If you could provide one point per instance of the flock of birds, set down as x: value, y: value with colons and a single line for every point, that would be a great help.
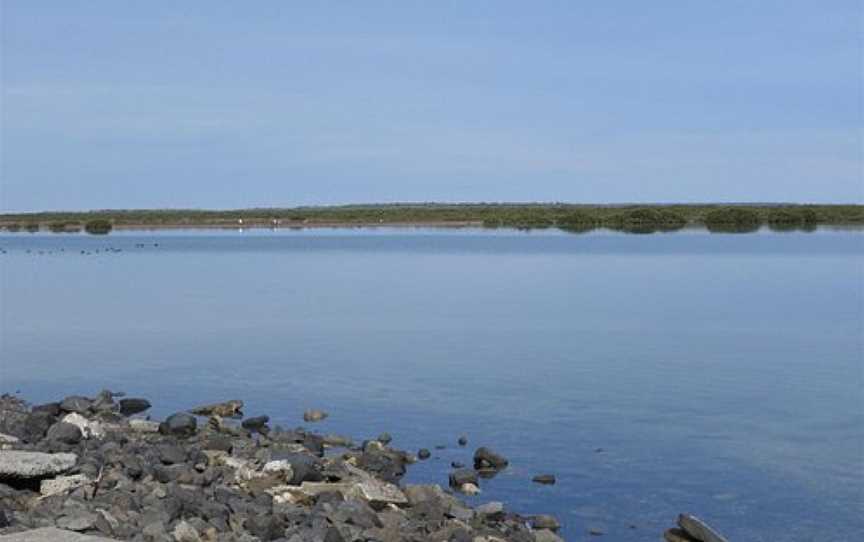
x: 102, y: 250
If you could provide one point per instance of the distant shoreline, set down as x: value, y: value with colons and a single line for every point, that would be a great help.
x: 645, y: 218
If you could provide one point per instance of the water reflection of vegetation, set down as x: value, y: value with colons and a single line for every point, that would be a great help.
x: 568, y: 217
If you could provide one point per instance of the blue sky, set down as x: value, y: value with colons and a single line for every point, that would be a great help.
x: 225, y: 104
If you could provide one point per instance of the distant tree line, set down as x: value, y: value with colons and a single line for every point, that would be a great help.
x: 569, y: 217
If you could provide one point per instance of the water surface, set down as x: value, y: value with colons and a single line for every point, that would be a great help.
x: 655, y: 374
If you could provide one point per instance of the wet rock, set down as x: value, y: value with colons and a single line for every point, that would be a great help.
x: 457, y: 464
x: 544, y: 521
x: 424, y: 453
x: 313, y: 415
x: 547, y: 479
x: 228, y: 409
x: 337, y: 441
x: 596, y: 532
x: 698, y: 529
x: 463, y: 440
x: 384, y: 438
x: 133, y: 405
x: 484, y: 458
x: 76, y: 403
x: 180, y: 424
x: 462, y: 476
x: 24, y: 465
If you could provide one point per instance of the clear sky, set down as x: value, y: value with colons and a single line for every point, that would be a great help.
x: 110, y: 104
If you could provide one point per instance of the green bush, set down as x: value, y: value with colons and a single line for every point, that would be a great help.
x: 732, y: 220
x: 98, y: 226
x: 647, y: 220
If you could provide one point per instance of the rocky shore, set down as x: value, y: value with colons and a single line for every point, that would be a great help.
x: 95, y: 466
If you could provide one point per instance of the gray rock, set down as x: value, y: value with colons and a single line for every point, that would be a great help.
x: 424, y: 453
x: 228, y: 409
x: 384, y: 438
x: 77, y: 521
x: 484, y: 458
x: 65, y: 433
x: 698, y: 529
x: 169, y: 454
x: 545, y: 535
x: 23, y: 465
x: 76, y: 403
x: 50, y: 534
x: 677, y: 535
x: 185, y: 532
x: 133, y: 405
x: 181, y: 424
x: 463, y: 440
x: 494, y: 509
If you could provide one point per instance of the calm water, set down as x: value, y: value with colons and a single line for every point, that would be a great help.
x: 719, y: 374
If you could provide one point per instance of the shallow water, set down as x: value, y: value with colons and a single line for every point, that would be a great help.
x: 716, y: 374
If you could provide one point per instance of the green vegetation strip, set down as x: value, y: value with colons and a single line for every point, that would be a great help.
x: 570, y: 217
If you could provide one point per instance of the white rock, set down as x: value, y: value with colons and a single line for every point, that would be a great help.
x: 8, y: 441
x: 281, y: 467
x: 19, y: 464
x: 143, y: 426
x: 89, y: 429
x: 62, y: 484
x: 469, y: 489
x: 185, y: 532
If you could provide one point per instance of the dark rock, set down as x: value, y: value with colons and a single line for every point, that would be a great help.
x: 255, y: 424
x: 424, y: 453
x: 460, y: 477
x: 133, y: 405
x: 547, y: 479
x: 5, y: 519
x: 180, y: 424
x: 65, y: 433
x: 305, y: 467
x: 37, y: 425
x: 170, y: 454
x: 387, y: 465
x: 222, y: 443
x: 463, y: 440
x: 52, y: 409
x: 484, y: 458
x: 698, y: 529
x: 457, y: 465
x: 333, y: 535
x: 384, y: 438
x: 76, y: 403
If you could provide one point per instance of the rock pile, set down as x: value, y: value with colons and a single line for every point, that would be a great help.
x: 82, y: 465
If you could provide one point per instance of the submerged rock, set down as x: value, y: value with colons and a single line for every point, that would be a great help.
x: 313, y: 415
x: 424, y: 453
x: 547, y: 479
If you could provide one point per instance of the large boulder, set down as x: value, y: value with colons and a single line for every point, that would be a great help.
x: 18, y: 465
x: 76, y: 403
x: 65, y: 433
x: 181, y: 424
